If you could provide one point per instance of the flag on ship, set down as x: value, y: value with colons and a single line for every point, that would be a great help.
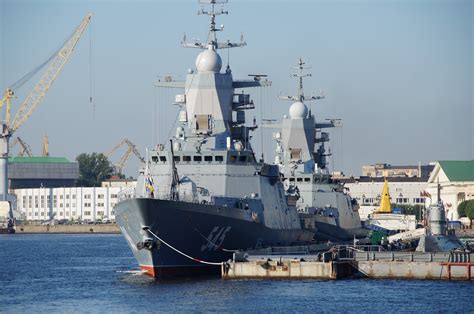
x: 149, y: 185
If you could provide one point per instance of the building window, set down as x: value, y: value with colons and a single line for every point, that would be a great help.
x: 87, y: 213
x: 100, y: 204
x: 100, y: 196
x: 61, y: 197
x: 87, y: 196
x: 74, y: 196
x: 113, y: 195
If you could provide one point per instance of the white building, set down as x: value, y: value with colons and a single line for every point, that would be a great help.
x: 368, y: 191
x: 72, y: 203
x: 456, y: 178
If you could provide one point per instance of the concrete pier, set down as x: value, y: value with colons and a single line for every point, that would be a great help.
x: 415, y: 265
x: 86, y: 228
x: 345, y: 261
x: 286, y: 269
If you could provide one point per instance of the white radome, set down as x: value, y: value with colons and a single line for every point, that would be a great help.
x: 298, y: 110
x: 208, y: 61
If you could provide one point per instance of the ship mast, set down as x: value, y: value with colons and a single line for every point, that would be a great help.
x: 300, y: 93
x: 212, y: 36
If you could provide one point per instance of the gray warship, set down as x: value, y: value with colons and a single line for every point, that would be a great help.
x: 322, y: 203
x: 204, y: 195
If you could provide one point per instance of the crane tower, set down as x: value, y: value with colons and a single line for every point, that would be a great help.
x: 31, y: 102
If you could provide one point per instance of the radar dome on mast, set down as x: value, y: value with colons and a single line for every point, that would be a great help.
x: 208, y: 61
x: 298, y: 110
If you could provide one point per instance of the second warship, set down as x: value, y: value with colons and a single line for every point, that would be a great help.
x: 205, y: 196
x: 322, y: 203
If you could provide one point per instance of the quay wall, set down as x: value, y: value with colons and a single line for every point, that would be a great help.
x: 103, y: 228
x: 293, y: 269
x: 415, y: 270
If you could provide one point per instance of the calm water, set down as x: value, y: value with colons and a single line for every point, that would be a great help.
x: 91, y: 273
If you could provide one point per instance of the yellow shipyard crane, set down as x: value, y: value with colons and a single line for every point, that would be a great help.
x: 7, y: 128
x: 131, y: 149
x: 45, y: 146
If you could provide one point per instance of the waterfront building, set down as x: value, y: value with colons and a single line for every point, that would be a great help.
x: 71, y: 203
x: 368, y: 192
x: 456, y: 178
x: 36, y: 172
x: 381, y: 170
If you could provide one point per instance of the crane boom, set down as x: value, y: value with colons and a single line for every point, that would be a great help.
x: 131, y: 149
x: 24, y: 147
x: 48, y: 78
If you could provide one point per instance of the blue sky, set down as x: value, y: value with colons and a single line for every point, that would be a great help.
x: 398, y: 73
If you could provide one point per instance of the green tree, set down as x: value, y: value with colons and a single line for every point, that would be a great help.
x: 93, y: 169
x: 470, y: 210
x: 463, y: 206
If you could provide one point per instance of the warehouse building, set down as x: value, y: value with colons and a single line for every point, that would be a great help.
x: 46, y: 172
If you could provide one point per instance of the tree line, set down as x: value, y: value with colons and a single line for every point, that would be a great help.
x: 95, y: 168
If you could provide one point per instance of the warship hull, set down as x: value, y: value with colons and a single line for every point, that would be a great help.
x: 204, y: 232
x: 331, y: 232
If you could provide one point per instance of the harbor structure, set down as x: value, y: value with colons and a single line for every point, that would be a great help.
x: 456, y: 178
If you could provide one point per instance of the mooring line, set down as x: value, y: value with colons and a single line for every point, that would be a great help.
x: 178, y: 251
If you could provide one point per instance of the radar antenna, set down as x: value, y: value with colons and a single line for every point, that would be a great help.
x: 212, y: 36
x: 300, y: 95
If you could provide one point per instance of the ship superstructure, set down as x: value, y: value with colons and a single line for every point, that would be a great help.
x: 301, y: 156
x: 205, y: 194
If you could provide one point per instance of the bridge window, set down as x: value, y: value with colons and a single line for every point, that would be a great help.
x: 219, y: 158
x: 299, y: 179
x: 232, y: 158
x: 292, y: 179
x: 177, y: 158
x: 154, y: 158
x: 186, y: 158
x: 197, y: 158
x: 242, y: 158
x: 207, y: 158
x: 307, y: 179
x: 163, y: 158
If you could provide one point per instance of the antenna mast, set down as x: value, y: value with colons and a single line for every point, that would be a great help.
x: 212, y: 36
